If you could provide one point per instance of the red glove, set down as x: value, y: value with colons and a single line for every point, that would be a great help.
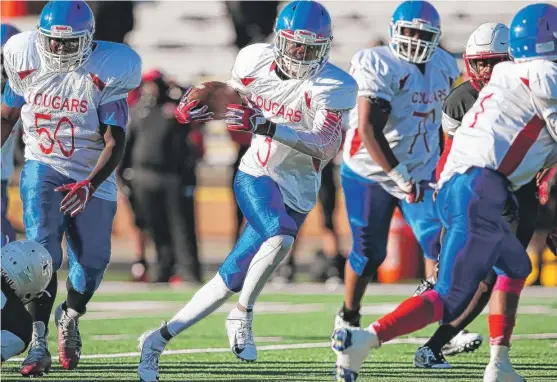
x: 187, y: 112
x: 545, y: 181
x: 78, y: 195
x: 247, y: 119
x: 418, y: 191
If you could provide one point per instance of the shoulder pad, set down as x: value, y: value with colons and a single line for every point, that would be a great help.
x: 460, y: 100
x: 249, y: 57
x: 447, y: 63
x: 21, y: 58
x: 118, y: 67
x: 334, y: 89
x: 543, y: 79
x: 376, y: 73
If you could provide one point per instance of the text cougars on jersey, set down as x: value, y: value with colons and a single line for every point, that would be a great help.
x: 425, y: 98
x: 56, y: 102
x: 278, y: 109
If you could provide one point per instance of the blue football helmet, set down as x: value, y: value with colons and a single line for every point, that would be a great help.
x: 303, y: 36
x: 533, y: 33
x: 415, y: 31
x: 66, y: 34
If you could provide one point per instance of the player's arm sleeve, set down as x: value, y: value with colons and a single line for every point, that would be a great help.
x: 452, y: 114
x: 10, y: 98
x: 114, y: 113
x: 372, y: 75
x: 544, y: 97
x: 321, y: 142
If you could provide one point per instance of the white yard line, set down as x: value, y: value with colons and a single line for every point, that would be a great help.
x: 314, y: 345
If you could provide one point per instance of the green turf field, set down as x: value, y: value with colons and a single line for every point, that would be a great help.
x: 292, y: 335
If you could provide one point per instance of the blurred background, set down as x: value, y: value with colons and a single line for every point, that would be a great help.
x: 188, y: 42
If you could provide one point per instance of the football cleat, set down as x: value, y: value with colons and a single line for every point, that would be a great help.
x: 151, y: 345
x: 351, y: 345
x: 425, y: 358
x: 499, y: 371
x: 499, y: 368
x: 240, y: 335
x: 425, y: 285
x: 38, y: 361
x: 341, y: 323
x: 69, y: 339
x: 463, y: 342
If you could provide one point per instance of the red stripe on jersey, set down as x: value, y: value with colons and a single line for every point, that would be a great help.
x: 356, y: 143
x: 23, y: 74
x: 482, y: 109
x: 526, y: 82
x: 444, y: 156
x: 308, y: 100
x: 247, y: 80
x: 520, y: 146
x: 98, y: 82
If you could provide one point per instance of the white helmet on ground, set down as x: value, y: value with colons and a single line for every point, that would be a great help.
x: 27, y: 268
x: 489, y: 43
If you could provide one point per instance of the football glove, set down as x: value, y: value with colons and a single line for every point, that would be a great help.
x: 76, y: 199
x: 249, y: 119
x: 190, y: 111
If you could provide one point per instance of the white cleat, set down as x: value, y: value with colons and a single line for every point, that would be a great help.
x: 500, y: 368
x: 352, y: 345
x: 151, y: 345
x: 240, y: 335
x: 340, y: 323
x: 463, y: 342
x: 425, y: 358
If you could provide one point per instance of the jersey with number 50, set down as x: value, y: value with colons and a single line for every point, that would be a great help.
x: 62, y: 111
x: 512, y: 127
x: 416, y: 98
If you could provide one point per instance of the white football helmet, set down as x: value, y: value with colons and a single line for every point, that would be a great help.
x: 27, y: 268
x: 489, y: 42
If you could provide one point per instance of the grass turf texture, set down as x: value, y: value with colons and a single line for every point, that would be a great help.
x: 536, y: 360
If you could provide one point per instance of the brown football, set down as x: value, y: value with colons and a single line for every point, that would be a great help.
x: 216, y: 95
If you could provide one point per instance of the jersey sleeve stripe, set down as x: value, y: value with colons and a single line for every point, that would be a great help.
x: 520, y: 146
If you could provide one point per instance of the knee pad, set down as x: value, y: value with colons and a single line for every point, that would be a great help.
x: 364, y: 265
x: 85, y: 280
x: 12, y: 345
x: 267, y: 253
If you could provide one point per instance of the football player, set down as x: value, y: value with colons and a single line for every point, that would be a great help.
x: 393, y: 144
x: 71, y: 94
x: 296, y: 102
x: 486, y: 46
x: 513, y: 130
x: 26, y: 271
x: 8, y: 232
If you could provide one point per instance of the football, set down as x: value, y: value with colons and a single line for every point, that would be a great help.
x: 216, y: 95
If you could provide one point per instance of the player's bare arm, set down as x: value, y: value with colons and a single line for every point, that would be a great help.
x: 78, y: 194
x: 373, y: 114
x: 114, y: 142
x: 10, y: 115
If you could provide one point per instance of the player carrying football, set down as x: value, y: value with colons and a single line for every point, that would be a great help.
x: 513, y: 130
x: 393, y: 144
x: 296, y: 102
x: 71, y: 94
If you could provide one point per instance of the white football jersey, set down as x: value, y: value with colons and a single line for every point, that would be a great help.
x: 507, y: 129
x: 308, y: 114
x: 416, y: 100
x: 60, y: 114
